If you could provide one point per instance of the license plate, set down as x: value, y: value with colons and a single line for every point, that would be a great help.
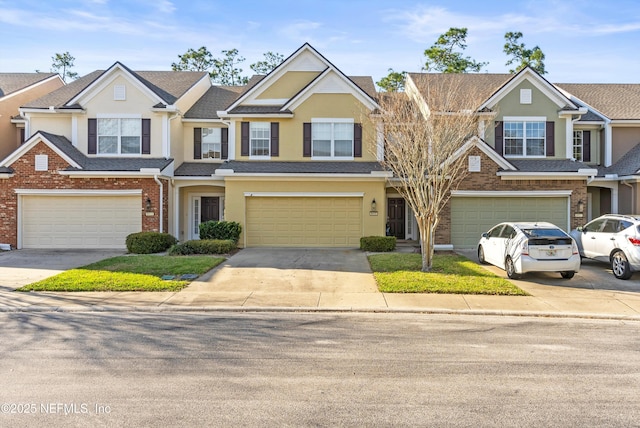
x: 551, y: 253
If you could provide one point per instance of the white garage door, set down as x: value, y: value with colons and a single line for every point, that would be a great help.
x: 79, y: 221
x: 471, y: 216
x: 304, y: 221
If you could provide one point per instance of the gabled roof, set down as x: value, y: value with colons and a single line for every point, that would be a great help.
x: 167, y: 86
x: 14, y: 82
x: 79, y: 162
x: 361, y: 86
x: 615, y: 101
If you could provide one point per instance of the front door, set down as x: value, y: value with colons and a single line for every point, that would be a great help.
x: 395, y: 217
x: 210, y: 209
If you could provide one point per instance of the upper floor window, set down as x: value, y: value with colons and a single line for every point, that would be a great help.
x: 119, y: 136
x: 260, y: 137
x: 524, y: 138
x: 211, y: 143
x: 577, y: 145
x: 332, y: 138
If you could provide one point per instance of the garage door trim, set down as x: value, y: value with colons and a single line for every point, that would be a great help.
x: 511, y: 193
x: 77, y: 192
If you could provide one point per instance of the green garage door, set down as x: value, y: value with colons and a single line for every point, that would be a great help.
x: 471, y: 216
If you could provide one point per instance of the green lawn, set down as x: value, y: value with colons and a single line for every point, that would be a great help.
x: 451, y: 274
x: 128, y: 273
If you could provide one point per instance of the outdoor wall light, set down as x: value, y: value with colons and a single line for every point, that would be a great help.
x: 373, y: 205
x: 580, y: 206
x: 148, y: 204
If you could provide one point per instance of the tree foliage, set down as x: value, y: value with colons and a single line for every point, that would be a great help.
x: 522, y: 56
x: 225, y: 70
x: 192, y: 60
x: 393, y: 82
x: 425, y: 146
x: 271, y: 61
x: 62, y: 64
x: 443, y: 57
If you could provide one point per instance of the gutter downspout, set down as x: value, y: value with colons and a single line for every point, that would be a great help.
x: 633, y: 195
x: 155, y: 177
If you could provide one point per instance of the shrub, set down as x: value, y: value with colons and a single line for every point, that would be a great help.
x: 149, y: 242
x: 378, y: 243
x: 220, y: 230
x: 203, y: 246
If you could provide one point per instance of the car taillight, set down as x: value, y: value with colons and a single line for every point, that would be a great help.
x: 634, y: 241
x: 525, y: 248
x: 574, y: 247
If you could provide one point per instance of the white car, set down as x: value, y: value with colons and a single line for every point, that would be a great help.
x: 529, y: 247
x: 614, y: 239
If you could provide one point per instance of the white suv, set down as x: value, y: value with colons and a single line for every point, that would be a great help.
x: 614, y: 239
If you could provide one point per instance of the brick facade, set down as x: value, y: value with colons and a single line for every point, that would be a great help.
x: 26, y: 177
x: 487, y: 180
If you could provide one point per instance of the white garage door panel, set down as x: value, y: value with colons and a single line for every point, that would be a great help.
x: 304, y: 222
x: 79, y: 221
x: 471, y: 216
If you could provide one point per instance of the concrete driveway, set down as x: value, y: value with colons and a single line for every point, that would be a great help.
x: 22, y: 267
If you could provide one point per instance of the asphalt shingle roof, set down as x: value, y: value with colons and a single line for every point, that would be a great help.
x: 629, y: 164
x: 168, y: 85
x: 616, y: 101
x: 215, y: 99
x: 548, y: 165
x: 103, y: 163
x: 12, y: 82
x: 201, y: 169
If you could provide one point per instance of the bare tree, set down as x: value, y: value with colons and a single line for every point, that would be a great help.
x: 427, y: 131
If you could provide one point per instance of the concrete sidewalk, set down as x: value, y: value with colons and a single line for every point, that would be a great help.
x: 566, y: 300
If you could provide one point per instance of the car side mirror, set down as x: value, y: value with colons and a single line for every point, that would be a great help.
x: 485, y: 235
x: 581, y: 229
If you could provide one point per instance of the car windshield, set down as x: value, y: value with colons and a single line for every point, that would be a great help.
x: 547, y: 233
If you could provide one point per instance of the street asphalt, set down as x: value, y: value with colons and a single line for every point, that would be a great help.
x: 294, y: 279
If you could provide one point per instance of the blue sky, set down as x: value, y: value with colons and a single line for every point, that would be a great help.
x: 583, y: 40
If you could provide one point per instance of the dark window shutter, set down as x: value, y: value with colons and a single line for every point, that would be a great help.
x: 21, y: 135
x: 244, y: 138
x: 275, y: 139
x: 306, y: 140
x: 146, y: 136
x: 197, y: 143
x: 224, y: 140
x: 92, y: 137
x: 551, y: 142
x: 586, y: 146
x: 357, y: 140
x: 498, y: 137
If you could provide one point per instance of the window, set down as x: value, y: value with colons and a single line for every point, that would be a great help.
x: 577, y: 145
x: 211, y: 143
x: 332, y: 139
x: 260, y: 137
x: 119, y: 136
x: 524, y: 138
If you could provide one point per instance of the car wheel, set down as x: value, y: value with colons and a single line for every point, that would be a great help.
x: 568, y: 274
x: 510, y: 268
x: 620, y: 265
x: 481, y: 258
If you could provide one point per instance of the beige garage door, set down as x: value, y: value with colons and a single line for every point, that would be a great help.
x: 304, y: 222
x: 471, y: 216
x: 79, y: 221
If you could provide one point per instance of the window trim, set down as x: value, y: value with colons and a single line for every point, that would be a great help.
x: 574, y: 146
x: 202, y: 144
x: 333, y: 121
x: 524, y: 120
x: 268, y: 128
x: 119, y: 117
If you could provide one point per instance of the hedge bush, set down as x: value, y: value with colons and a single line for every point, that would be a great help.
x: 378, y: 243
x: 149, y: 242
x: 220, y: 230
x: 203, y: 246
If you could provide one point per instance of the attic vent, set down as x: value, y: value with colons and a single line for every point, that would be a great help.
x: 525, y: 96
x: 42, y: 162
x: 119, y: 93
